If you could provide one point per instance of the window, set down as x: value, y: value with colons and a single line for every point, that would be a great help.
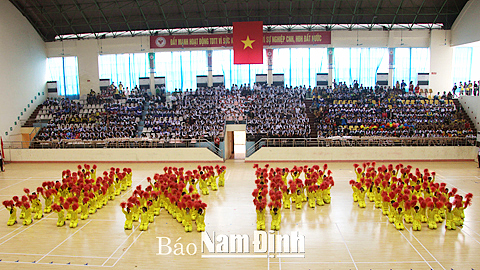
x: 300, y: 65
x: 409, y: 62
x: 360, y: 64
x: 180, y: 68
x: 222, y: 64
x: 123, y: 68
x: 462, y: 64
x: 64, y: 71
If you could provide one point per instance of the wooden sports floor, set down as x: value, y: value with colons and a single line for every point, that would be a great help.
x: 337, y: 236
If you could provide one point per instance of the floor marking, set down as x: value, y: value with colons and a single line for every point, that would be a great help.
x: 120, y: 246
x: 64, y: 241
x: 428, y: 252
x: 15, y: 183
x: 416, y: 249
x: 70, y: 256
x: 464, y: 225
x: 355, y: 262
x: 134, y: 240
x: 343, y: 239
x: 469, y: 235
x: 28, y: 227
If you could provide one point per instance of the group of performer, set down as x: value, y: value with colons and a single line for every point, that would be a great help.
x: 409, y: 196
x: 76, y: 196
x: 283, y: 192
x: 176, y: 191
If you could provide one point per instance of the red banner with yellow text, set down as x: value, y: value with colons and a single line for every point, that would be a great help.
x: 226, y: 40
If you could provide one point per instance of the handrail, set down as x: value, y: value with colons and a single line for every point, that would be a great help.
x: 360, y: 142
x: 115, y: 143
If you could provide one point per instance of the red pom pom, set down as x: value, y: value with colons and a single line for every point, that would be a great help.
x: 395, y: 205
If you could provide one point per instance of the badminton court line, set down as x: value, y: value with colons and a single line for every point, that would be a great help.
x: 64, y: 241
x: 343, y: 239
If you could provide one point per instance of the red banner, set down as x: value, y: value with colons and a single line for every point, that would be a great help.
x: 226, y: 40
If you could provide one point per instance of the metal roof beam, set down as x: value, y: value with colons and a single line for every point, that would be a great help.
x: 103, y: 15
x: 354, y: 12
x: 376, y: 12
x: 84, y: 17
x: 160, y: 6
x: 125, y: 19
x: 65, y: 17
x: 143, y: 15
x: 396, y: 14
x: 418, y: 12
x: 180, y: 4
x: 439, y: 11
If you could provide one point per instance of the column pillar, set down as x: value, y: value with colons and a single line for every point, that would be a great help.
x: 88, y: 74
x: 269, y: 67
x: 330, y: 66
x: 391, y: 66
x: 151, y: 60
x: 210, y: 68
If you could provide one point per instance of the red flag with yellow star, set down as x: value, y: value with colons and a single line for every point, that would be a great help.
x: 248, y: 42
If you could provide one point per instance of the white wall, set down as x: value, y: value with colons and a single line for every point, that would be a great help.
x: 22, y: 68
x: 466, y: 28
x: 472, y: 106
x: 363, y: 154
x: 111, y: 155
x: 441, y: 61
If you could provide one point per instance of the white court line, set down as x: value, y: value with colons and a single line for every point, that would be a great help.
x: 355, y: 262
x: 471, y: 229
x: 343, y: 239
x: 134, y: 240
x: 15, y: 183
x: 12, y: 231
x: 416, y: 250
x: 72, y: 256
x: 429, y: 251
x: 234, y: 256
x: 27, y: 227
x: 469, y: 235
x: 279, y: 263
x: 64, y: 264
x: 64, y: 240
x: 290, y: 256
x: 120, y: 246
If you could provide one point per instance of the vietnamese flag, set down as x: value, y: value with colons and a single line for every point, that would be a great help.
x: 248, y: 42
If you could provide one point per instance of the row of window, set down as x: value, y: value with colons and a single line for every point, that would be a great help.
x: 299, y: 66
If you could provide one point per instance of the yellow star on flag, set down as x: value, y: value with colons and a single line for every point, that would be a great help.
x: 248, y: 43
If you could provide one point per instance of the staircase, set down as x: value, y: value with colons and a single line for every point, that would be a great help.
x: 311, y: 118
x: 463, y: 114
x: 33, y: 116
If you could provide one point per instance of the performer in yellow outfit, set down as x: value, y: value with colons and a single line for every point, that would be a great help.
x: 27, y: 220
x: 61, y: 215
x: 432, y: 224
x: 128, y: 215
x: 74, y: 215
x: 144, y: 219
x: 450, y: 223
x: 10, y: 205
x: 200, y: 220
x: 417, y: 217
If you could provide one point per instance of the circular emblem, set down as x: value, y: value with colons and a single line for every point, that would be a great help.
x: 269, y: 53
x: 151, y: 56
x: 160, y: 41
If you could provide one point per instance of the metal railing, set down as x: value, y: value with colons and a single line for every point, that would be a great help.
x: 115, y: 143
x: 360, y: 142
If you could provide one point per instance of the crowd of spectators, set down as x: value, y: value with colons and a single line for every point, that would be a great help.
x: 74, y: 120
x: 268, y: 111
x: 351, y: 111
x: 466, y: 88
